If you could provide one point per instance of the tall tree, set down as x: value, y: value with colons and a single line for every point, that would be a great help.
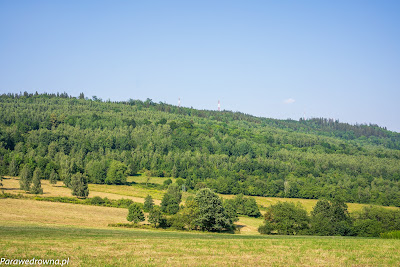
x: 36, y: 184
x: 25, y: 178
x: 148, y: 203
x: 116, y: 174
x: 79, y: 185
x: 211, y: 216
x: 171, y: 199
x: 330, y: 218
x: 135, y: 213
x: 155, y: 216
x: 53, y: 177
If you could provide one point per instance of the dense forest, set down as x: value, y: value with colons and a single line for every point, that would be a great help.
x: 230, y: 152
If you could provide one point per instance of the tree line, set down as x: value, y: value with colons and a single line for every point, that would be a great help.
x: 329, y: 218
x: 205, y: 211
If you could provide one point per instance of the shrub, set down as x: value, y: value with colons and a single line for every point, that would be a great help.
x: 391, y: 235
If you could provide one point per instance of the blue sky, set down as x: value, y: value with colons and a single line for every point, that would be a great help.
x: 278, y: 59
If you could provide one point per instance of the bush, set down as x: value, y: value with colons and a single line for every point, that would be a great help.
x: 266, y: 228
x: 286, y: 218
x: 391, y: 235
x: 167, y: 182
x: 96, y: 201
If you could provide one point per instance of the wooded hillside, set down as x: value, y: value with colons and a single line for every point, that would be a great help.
x: 229, y: 152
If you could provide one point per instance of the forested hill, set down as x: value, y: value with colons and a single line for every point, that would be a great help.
x: 230, y: 152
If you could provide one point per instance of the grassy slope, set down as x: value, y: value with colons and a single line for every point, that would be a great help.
x: 137, y: 193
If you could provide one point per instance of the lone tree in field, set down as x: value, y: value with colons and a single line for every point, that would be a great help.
x: 25, y: 178
x: 135, y: 213
x: 148, y: 203
x: 36, y: 186
x: 79, y: 185
x: 211, y: 213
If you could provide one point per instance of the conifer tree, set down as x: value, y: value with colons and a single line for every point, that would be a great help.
x: 13, y: 168
x: 148, y: 203
x: 36, y: 186
x: 25, y: 178
x: 79, y: 185
x: 53, y: 177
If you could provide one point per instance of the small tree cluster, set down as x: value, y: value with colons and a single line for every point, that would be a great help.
x: 246, y: 206
x: 285, y: 218
x: 171, y: 199
x: 79, y: 185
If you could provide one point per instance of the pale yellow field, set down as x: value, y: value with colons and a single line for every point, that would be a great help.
x: 11, y: 185
x: 55, y: 213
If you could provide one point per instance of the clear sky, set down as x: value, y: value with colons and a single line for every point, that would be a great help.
x: 278, y: 59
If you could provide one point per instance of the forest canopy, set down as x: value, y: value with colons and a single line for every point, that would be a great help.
x: 229, y: 152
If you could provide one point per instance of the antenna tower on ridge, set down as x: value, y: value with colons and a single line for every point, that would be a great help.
x: 219, y: 105
x: 179, y: 102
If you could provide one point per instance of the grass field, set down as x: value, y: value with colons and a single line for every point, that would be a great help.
x: 132, y: 247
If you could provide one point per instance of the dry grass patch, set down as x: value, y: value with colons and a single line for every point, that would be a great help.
x: 130, y: 191
x: 248, y: 225
x: 11, y: 185
x: 22, y: 210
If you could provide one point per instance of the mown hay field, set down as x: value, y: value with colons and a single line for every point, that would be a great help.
x: 133, y: 247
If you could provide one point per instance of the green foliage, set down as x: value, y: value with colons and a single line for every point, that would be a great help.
x: 391, y: 235
x: 116, y: 174
x: 286, y: 218
x: 148, y: 203
x: 167, y: 182
x: 171, y: 199
x: 246, y: 206
x: 53, y: 177
x: 230, y: 209
x: 266, y: 228
x: 230, y: 152
x: 180, y: 182
x: 36, y: 184
x: 135, y: 213
x: 330, y: 218
x: 79, y: 185
x: 97, y: 171
x: 372, y: 221
x: 155, y: 216
x: 25, y: 179
x: 211, y: 213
